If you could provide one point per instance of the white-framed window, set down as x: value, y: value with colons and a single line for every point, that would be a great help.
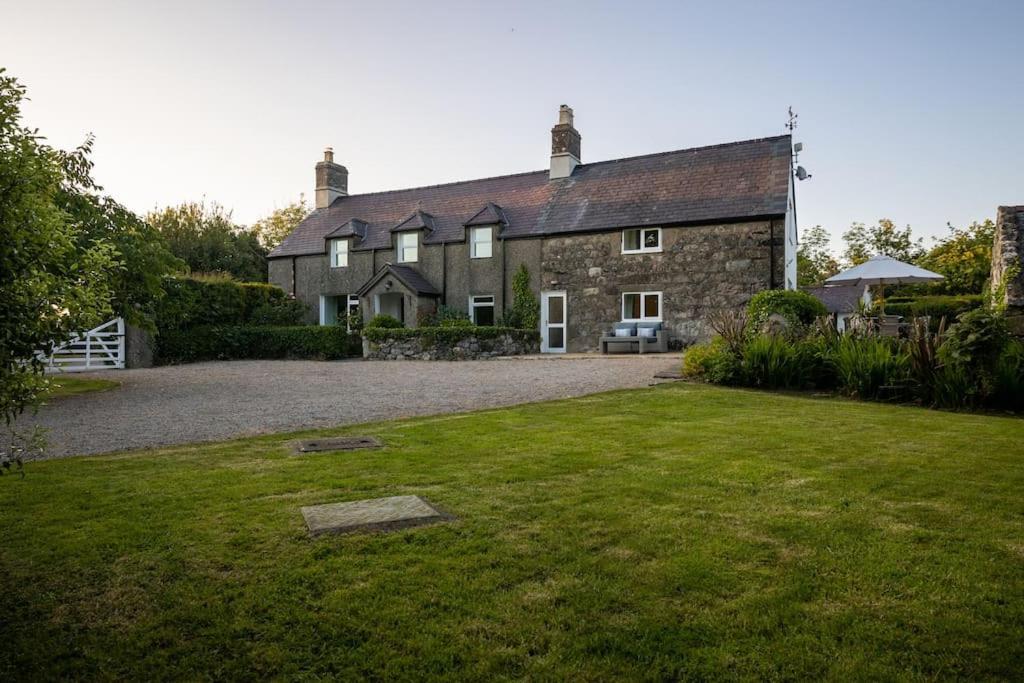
x: 351, y: 309
x: 339, y: 253
x: 641, y: 306
x: 481, y: 310
x: 480, y: 240
x: 408, y: 251
x: 641, y: 240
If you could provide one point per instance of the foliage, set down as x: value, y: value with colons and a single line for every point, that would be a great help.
x: 272, y: 229
x: 192, y: 302
x: 446, y: 316
x: 934, y: 307
x: 383, y: 321
x: 1008, y: 378
x: 814, y: 260
x: 866, y: 367
x: 774, y: 362
x: 884, y: 238
x: 206, y: 239
x: 731, y: 326
x: 975, y: 343
x: 964, y: 257
x: 448, y: 335
x: 525, y: 311
x: 799, y: 309
x: 217, y: 342
x: 56, y: 276
x: 712, y: 362
x: 923, y: 356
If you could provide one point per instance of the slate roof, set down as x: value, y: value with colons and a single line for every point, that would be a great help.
x: 838, y: 298
x: 410, y: 277
x: 733, y: 181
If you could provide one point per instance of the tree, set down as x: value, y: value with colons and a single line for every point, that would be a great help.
x: 55, y: 280
x: 206, y: 239
x: 272, y: 230
x: 964, y: 257
x: 814, y: 259
x: 885, y: 238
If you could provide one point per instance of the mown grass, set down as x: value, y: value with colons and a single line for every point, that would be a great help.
x: 679, y: 531
x: 63, y: 385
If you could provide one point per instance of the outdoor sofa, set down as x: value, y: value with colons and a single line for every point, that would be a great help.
x: 643, y: 337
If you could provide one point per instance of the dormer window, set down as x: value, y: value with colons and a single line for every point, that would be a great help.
x: 339, y: 253
x: 641, y: 240
x: 480, y: 240
x: 408, y: 251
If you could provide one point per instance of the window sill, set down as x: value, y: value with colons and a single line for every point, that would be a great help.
x: 643, y: 251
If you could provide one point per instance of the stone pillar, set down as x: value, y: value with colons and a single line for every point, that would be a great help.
x: 1007, y: 279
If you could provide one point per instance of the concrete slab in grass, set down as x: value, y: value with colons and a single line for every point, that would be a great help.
x: 337, y: 443
x: 377, y: 514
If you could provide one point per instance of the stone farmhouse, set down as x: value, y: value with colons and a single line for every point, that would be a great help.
x: 668, y: 238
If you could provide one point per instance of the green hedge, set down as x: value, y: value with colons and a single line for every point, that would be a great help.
x: 934, y: 306
x: 798, y: 308
x: 450, y: 335
x: 264, y: 342
x: 193, y: 302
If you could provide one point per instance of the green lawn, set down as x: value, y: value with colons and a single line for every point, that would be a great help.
x: 678, y: 531
x: 66, y: 385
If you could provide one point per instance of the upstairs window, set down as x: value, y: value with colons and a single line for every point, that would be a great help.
x: 641, y: 307
x: 641, y: 240
x: 481, y: 310
x: 480, y: 242
x: 339, y: 253
x: 408, y: 251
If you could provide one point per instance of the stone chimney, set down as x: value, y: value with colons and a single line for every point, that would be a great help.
x: 565, y: 145
x: 331, y: 180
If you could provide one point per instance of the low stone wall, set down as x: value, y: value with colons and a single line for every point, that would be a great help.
x: 428, y: 347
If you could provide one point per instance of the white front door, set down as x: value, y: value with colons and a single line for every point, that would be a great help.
x: 553, y: 316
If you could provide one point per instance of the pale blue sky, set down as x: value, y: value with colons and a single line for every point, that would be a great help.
x: 908, y: 110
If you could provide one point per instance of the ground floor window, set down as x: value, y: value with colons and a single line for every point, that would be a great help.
x: 481, y: 310
x: 641, y: 306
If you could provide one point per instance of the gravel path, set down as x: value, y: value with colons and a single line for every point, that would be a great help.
x: 214, y: 401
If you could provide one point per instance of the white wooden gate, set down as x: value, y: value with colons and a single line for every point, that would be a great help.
x: 101, y: 348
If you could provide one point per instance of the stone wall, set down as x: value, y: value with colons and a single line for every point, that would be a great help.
x: 700, y: 270
x: 468, y: 348
x: 1007, y: 280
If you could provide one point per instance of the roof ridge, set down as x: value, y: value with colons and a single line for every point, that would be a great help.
x: 595, y: 163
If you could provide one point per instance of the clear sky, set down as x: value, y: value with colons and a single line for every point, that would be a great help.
x: 908, y: 110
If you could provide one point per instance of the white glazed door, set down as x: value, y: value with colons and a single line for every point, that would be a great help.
x: 553, y: 316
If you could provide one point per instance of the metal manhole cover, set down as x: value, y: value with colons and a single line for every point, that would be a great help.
x: 338, y: 443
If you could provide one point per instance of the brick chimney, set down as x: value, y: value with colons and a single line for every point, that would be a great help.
x: 565, y: 145
x: 331, y: 180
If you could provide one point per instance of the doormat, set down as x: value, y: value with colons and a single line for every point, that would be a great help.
x: 337, y: 443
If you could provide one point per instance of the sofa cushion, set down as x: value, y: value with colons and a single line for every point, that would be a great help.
x: 649, y: 326
x: 625, y: 329
x: 648, y: 332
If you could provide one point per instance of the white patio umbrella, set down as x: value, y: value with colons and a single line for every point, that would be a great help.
x: 883, y: 270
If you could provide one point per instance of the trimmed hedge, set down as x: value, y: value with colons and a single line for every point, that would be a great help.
x: 798, y: 308
x: 192, y: 302
x: 262, y: 342
x: 450, y: 335
x: 935, y: 307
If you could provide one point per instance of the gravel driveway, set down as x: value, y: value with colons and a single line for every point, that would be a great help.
x: 213, y: 401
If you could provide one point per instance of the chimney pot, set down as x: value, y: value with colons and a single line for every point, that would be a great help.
x: 328, y: 154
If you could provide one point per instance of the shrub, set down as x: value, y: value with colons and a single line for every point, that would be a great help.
x: 525, y: 311
x: 220, y: 342
x: 1008, y: 379
x: 864, y: 365
x: 798, y: 309
x: 774, y: 362
x: 976, y: 340
x: 446, y: 316
x: 933, y: 307
x: 383, y: 321
x: 712, y: 362
x: 191, y: 302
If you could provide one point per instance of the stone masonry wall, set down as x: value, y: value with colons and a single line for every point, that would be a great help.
x: 470, y: 348
x: 1008, y: 263
x: 700, y: 270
